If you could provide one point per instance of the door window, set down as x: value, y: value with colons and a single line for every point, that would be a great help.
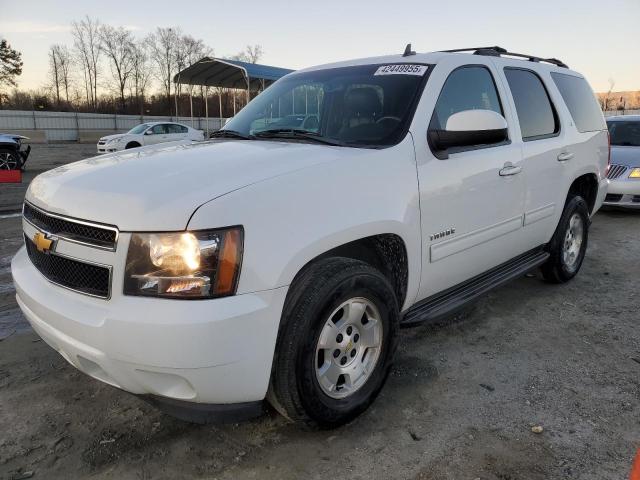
x: 467, y: 88
x: 537, y: 117
x: 159, y: 129
x: 175, y: 128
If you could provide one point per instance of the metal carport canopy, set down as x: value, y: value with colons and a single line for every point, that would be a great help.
x: 217, y: 72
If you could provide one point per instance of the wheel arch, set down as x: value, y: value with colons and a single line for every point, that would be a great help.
x: 386, y: 252
x: 132, y: 144
x: 586, y: 186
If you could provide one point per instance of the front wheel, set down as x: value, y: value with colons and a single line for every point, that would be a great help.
x: 9, y: 159
x: 336, y: 343
x: 569, y: 243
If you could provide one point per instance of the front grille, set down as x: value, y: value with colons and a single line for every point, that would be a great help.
x: 101, y: 236
x: 613, y: 197
x: 615, y: 171
x: 72, y: 274
x: 101, y: 142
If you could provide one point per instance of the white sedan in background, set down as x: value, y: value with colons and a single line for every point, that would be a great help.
x: 149, y: 133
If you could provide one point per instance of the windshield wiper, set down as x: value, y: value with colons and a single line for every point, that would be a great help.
x: 296, y: 133
x: 230, y: 134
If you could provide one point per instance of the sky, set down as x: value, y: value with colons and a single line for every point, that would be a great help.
x: 597, y: 38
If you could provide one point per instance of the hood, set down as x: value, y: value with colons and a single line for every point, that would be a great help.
x: 112, y: 137
x: 10, y: 138
x: 159, y: 188
x: 629, y: 156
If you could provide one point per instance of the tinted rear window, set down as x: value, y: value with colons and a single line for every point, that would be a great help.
x: 535, y: 113
x: 581, y: 102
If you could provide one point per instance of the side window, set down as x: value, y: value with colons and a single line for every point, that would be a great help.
x: 581, y: 102
x: 183, y: 129
x: 536, y: 114
x: 174, y: 128
x: 158, y: 129
x: 467, y: 88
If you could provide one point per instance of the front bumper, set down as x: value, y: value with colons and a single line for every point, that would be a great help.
x: 623, y: 193
x: 203, y: 351
x: 106, y: 149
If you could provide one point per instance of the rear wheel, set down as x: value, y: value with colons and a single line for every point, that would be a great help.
x: 9, y: 159
x: 336, y: 343
x: 569, y: 243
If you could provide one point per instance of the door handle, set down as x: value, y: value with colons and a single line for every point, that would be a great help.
x: 565, y: 156
x: 509, y: 169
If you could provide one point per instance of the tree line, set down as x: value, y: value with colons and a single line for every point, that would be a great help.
x: 108, y: 69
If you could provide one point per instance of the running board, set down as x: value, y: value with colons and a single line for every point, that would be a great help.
x: 445, y: 303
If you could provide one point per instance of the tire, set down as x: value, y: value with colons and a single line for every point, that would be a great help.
x: 566, y: 256
x: 320, y: 301
x: 9, y: 159
x: 131, y: 145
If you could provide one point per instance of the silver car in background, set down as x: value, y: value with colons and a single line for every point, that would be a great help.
x: 624, y: 172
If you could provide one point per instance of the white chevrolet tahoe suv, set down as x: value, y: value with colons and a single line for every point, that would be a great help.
x: 279, y: 263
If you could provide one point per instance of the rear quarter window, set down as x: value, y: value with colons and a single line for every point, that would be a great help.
x: 580, y: 101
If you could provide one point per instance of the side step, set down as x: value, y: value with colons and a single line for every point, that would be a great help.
x: 445, y: 303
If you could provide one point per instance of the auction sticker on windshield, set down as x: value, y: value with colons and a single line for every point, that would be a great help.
x: 401, y: 69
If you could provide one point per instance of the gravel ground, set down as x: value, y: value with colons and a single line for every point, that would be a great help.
x: 460, y: 403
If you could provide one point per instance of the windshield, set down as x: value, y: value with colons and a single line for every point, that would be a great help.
x: 625, y: 133
x: 368, y: 105
x: 139, y: 129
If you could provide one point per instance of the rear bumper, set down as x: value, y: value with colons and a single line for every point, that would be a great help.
x: 603, y: 188
x: 202, y: 351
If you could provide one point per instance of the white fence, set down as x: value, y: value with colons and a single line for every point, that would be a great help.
x: 71, y: 126
x: 611, y: 113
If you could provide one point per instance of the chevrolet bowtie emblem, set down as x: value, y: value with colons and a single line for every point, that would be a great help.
x: 43, y: 244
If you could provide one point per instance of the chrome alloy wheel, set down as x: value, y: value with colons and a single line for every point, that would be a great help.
x: 573, y: 242
x: 348, y: 347
x: 8, y: 161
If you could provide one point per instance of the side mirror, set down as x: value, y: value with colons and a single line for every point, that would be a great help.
x: 468, y: 128
x: 148, y: 132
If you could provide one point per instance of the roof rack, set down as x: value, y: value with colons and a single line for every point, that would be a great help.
x: 496, y: 51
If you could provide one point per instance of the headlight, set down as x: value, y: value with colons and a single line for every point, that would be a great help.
x: 199, y: 264
x: 635, y: 173
x: 115, y: 140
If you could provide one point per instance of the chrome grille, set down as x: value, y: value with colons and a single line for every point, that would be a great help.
x: 613, y: 197
x: 616, y: 171
x: 87, y: 278
x: 74, y: 230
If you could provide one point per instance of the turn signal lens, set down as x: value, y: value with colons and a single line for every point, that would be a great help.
x: 201, y: 264
x: 635, y: 173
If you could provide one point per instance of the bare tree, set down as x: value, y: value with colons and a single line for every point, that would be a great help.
x: 140, y: 74
x: 607, y: 98
x: 118, y: 46
x: 162, y: 45
x: 251, y: 54
x: 86, y: 40
x: 54, y: 70
x: 60, y: 71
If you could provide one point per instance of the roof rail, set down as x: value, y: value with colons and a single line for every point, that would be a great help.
x: 496, y: 51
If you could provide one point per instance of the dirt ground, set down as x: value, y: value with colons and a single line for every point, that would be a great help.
x: 460, y: 403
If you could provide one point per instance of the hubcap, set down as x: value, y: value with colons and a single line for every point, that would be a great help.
x: 573, y: 242
x: 348, y: 348
x: 7, y: 161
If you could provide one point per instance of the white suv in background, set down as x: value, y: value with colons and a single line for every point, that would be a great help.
x: 279, y: 262
x: 150, y: 133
